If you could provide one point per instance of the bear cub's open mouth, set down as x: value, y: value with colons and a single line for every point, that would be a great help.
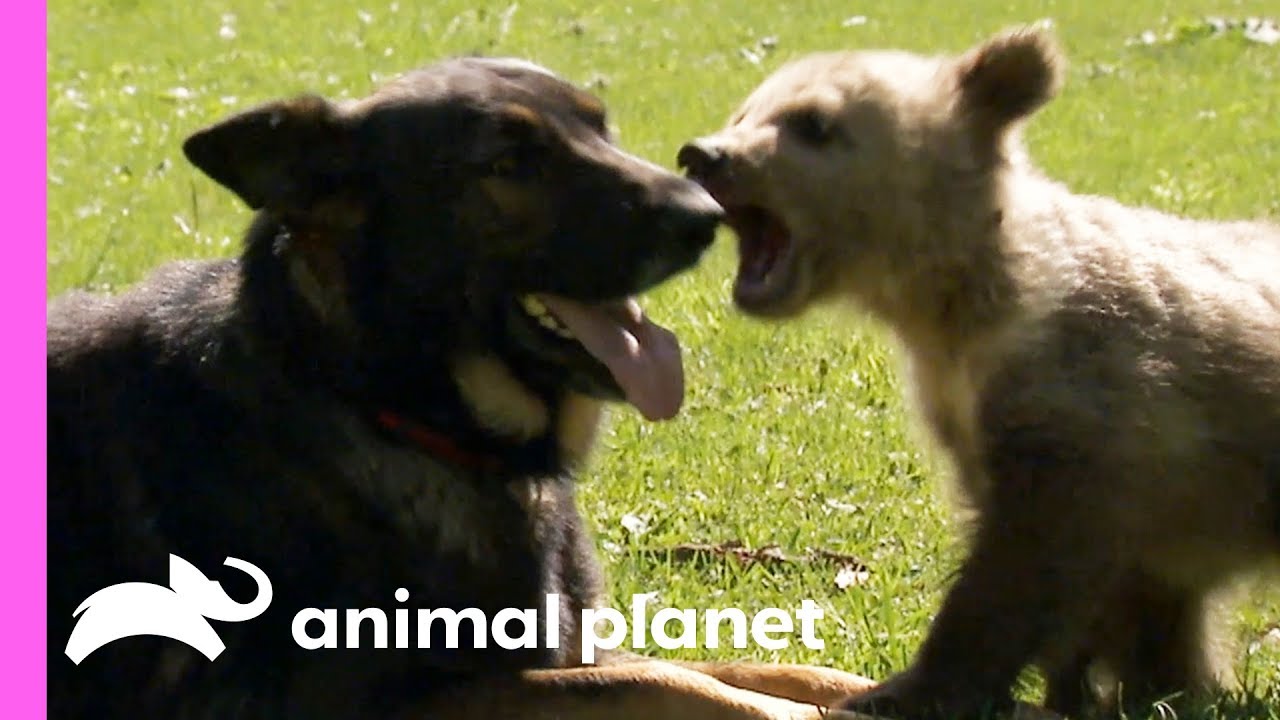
x: 764, y: 253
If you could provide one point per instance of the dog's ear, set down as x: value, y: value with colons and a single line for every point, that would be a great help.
x: 1009, y: 76
x: 287, y: 155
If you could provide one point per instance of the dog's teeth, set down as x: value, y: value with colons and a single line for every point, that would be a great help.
x: 533, y: 306
x: 538, y: 311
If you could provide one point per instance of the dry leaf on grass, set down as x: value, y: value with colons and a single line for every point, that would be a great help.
x: 850, y: 570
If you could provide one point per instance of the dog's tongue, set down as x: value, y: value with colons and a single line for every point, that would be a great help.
x: 644, y: 357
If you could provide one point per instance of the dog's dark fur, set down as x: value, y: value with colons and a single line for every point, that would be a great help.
x: 227, y: 408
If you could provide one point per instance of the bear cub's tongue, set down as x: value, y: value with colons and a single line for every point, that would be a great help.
x: 643, y: 357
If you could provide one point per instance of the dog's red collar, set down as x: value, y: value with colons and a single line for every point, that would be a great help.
x: 436, y: 444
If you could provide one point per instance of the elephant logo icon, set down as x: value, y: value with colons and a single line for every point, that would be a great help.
x: 180, y: 612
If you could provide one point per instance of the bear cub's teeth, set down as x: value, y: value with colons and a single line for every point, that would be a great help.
x: 536, y: 310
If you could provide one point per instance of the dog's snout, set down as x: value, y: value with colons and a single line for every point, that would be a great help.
x: 692, y: 215
x: 701, y: 157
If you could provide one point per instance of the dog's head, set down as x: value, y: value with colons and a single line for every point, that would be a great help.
x: 479, y: 205
x: 847, y: 172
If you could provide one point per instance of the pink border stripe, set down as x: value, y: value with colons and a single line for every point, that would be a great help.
x: 23, y: 145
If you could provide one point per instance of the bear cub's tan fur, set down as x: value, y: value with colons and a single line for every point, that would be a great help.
x: 1105, y: 379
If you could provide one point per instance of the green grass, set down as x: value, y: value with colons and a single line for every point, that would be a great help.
x: 795, y: 435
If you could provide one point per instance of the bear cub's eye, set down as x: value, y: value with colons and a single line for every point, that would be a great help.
x: 810, y: 126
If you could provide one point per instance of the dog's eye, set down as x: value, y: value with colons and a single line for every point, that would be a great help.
x: 809, y: 126
x: 514, y: 165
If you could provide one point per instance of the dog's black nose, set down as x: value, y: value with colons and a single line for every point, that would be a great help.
x: 701, y: 157
x: 692, y: 217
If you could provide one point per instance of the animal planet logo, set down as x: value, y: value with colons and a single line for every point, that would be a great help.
x: 177, y: 612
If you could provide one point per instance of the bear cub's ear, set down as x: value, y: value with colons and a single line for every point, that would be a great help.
x: 1009, y: 76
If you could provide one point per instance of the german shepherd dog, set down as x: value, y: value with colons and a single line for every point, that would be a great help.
x: 387, y: 392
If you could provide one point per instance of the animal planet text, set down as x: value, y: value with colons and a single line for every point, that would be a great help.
x: 513, y: 628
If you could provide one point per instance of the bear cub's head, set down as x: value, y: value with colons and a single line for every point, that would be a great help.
x: 852, y: 174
